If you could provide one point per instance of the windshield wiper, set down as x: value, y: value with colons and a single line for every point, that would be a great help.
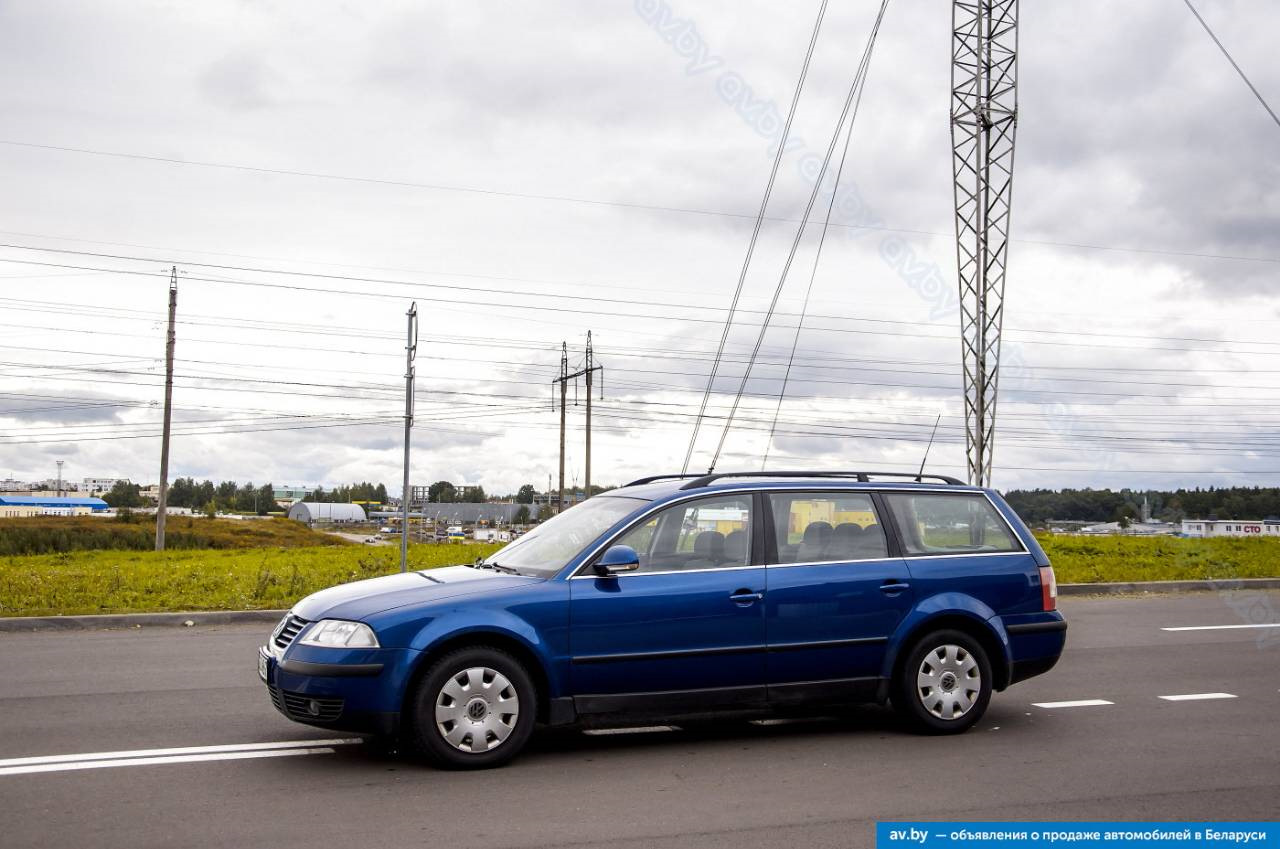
x: 497, y: 567
x: 504, y: 569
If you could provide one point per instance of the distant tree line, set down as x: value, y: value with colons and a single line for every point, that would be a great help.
x: 225, y: 497
x: 346, y: 494
x: 1104, y: 505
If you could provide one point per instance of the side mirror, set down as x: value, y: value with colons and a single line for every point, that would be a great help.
x: 616, y: 560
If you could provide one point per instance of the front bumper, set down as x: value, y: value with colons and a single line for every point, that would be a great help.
x: 359, y: 691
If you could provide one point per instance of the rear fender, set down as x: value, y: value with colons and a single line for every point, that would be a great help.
x: 952, y: 610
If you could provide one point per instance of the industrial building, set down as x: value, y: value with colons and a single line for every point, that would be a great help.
x: 1268, y: 527
x: 311, y: 512
x: 289, y: 495
x: 466, y: 513
x: 13, y: 506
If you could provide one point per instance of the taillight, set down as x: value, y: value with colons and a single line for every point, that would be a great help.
x: 1048, y: 588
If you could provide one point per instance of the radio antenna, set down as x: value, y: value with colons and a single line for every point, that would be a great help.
x: 925, y: 459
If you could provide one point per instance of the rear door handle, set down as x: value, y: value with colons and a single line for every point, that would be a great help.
x: 892, y: 587
x: 745, y: 596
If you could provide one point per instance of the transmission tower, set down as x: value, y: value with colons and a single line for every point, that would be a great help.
x: 984, y: 116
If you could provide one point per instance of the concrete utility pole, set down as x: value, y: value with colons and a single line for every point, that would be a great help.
x: 411, y: 353
x: 589, y: 370
x: 564, y: 382
x: 163, y: 503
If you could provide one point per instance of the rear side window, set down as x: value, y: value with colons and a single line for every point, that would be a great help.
x: 711, y: 533
x: 826, y: 527
x: 945, y: 523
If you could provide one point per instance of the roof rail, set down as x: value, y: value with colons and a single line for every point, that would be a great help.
x: 861, y: 477
x: 652, y: 478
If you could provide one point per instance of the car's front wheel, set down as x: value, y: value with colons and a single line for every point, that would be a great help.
x: 944, y: 685
x: 474, y: 708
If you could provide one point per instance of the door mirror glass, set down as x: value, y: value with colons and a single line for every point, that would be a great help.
x: 616, y: 560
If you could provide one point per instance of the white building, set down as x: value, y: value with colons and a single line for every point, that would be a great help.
x: 99, y: 484
x: 310, y: 512
x: 1231, y: 527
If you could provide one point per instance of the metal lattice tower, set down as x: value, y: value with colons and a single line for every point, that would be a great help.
x: 984, y: 116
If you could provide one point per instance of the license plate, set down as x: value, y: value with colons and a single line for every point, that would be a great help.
x: 262, y: 666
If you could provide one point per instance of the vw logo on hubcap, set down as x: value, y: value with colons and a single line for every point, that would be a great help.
x: 477, y: 709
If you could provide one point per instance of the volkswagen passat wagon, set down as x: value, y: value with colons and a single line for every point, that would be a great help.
x: 686, y: 598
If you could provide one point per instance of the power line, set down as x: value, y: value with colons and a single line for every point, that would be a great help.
x: 1247, y: 81
x: 597, y: 202
x: 755, y: 232
x: 795, y: 244
x: 863, y: 69
x: 594, y: 299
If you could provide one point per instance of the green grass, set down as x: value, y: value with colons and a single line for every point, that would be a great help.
x: 1090, y: 560
x: 81, y: 582
x: 49, y: 534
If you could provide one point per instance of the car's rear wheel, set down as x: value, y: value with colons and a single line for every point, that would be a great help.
x: 474, y: 708
x: 944, y: 685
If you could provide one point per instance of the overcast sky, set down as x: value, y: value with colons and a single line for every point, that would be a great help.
x: 531, y: 171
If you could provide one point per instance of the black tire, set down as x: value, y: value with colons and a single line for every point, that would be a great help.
x: 510, y: 679
x: 926, y: 708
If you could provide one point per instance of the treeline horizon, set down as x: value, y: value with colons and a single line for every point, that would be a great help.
x: 233, y: 497
x: 1037, y: 506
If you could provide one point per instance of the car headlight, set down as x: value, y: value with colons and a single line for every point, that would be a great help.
x: 338, y: 633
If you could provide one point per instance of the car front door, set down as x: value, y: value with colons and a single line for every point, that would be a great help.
x: 835, y: 593
x: 683, y: 632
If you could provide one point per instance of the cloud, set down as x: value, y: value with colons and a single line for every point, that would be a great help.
x: 1132, y: 135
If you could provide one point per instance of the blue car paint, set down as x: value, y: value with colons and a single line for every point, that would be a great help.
x: 658, y: 620
x: 682, y: 631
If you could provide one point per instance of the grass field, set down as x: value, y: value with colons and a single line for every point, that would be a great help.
x: 50, y: 534
x: 80, y: 582
x: 1090, y: 560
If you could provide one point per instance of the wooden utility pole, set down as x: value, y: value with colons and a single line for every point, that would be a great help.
x: 163, y: 503
x: 587, y: 371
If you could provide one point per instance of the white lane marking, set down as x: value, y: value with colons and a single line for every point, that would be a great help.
x: 188, y: 750
x: 167, y: 759
x: 1195, y: 697
x: 1221, y: 627
x: 1077, y: 703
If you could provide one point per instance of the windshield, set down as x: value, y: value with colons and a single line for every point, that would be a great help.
x: 547, y: 548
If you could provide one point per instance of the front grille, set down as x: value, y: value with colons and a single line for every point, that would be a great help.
x: 305, y: 708
x: 288, y: 630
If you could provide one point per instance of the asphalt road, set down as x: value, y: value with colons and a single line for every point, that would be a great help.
x: 812, y: 783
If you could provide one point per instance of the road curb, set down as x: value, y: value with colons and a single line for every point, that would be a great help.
x: 18, y: 624
x: 1140, y: 587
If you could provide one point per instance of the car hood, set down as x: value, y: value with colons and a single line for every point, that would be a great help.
x: 360, y: 599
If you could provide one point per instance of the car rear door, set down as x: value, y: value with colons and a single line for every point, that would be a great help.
x: 686, y: 630
x: 836, y: 592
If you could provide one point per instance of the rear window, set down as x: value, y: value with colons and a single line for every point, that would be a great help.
x: 946, y: 523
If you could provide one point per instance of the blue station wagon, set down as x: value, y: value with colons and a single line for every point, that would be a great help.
x: 683, y: 597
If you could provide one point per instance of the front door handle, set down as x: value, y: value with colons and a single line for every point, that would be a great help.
x: 893, y: 587
x: 745, y: 597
